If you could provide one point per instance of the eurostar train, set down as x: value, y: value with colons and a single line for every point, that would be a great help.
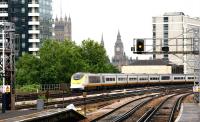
x: 85, y: 81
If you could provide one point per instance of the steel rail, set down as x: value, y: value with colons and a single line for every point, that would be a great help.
x: 107, y: 114
x: 172, y: 113
x: 133, y: 110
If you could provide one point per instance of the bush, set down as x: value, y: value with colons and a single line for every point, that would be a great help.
x: 28, y: 88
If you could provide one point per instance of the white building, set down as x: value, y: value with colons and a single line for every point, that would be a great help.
x: 169, y: 30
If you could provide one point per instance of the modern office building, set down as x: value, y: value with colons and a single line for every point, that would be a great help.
x: 174, y: 30
x: 63, y: 29
x: 32, y: 19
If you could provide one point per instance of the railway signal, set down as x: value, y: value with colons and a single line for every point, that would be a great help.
x: 140, y: 46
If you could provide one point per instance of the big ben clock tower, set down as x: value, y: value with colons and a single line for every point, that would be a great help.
x: 119, y: 48
x: 119, y: 58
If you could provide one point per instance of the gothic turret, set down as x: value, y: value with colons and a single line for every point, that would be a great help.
x: 102, y: 41
x: 63, y: 29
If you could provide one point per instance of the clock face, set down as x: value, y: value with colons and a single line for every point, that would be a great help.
x: 118, y: 49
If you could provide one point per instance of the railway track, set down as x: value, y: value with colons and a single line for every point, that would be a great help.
x: 123, y: 111
x: 89, y: 100
x: 101, y: 98
x: 165, y: 110
x: 141, y: 110
x: 34, y: 96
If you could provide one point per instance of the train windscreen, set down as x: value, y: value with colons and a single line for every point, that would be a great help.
x: 78, y: 76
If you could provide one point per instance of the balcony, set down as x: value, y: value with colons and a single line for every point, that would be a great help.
x: 3, y: 5
x: 33, y: 5
x: 33, y: 23
x: 33, y: 40
x: 33, y: 49
x: 4, y: 14
x: 34, y: 14
x: 34, y: 31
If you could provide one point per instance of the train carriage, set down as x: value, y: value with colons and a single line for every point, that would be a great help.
x: 132, y: 79
x: 93, y: 80
x: 166, y: 78
x: 155, y: 78
x: 178, y: 78
x: 122, y: 79
x: 190, y: 78
x: 143, y: 79
x: 109, y: 79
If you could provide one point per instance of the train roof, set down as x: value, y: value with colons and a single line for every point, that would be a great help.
x: 125, y: 74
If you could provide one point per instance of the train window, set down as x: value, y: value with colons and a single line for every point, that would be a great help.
x: 154, y: 78
x: 131, y: 79
x: 122, y: 79
x: 179, y: 78
x: 175, y: 78
x: 110, y: 79
x: 165, y: 77
x: 94, y: 79
x: 190, y: 78
x: 143, y: 78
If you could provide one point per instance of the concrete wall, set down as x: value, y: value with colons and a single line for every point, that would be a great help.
x: 159, y: 69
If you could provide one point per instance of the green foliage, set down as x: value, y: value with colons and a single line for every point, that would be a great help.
x: 42, y: 97
x: 94, y: 54
x: 59, y: 60
x: 28, y: 70
x: 28, y: 88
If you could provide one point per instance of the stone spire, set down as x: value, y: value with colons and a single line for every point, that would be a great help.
x: 56, y: 18
x: 65, y: 18
x: 118, y: 37
x: 102, y: 41
x: 69, y: 19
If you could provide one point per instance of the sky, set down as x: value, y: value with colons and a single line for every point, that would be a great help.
x: 133, y: 18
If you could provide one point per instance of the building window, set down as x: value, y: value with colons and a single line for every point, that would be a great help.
x: 154, y: 34
x: 165, y: 27
x: 23, y: 1
x: 23, y: 36
x: 23, y: 10
x: 165, y: 19
x: 154, y: 27
x: 23, y: 45
x: 23, y: 19
x: 165, y: 55
x: 14, y: 19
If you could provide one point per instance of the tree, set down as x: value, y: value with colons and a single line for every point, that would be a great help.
x: 28, y: 70
x: 59, y: 61
x: 94, y: 54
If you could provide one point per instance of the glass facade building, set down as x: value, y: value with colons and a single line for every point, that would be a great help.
x: 45, y: 19
x: 32, y: 19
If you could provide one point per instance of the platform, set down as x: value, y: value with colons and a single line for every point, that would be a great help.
x: 51, y: 115
x: 190, y: 112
